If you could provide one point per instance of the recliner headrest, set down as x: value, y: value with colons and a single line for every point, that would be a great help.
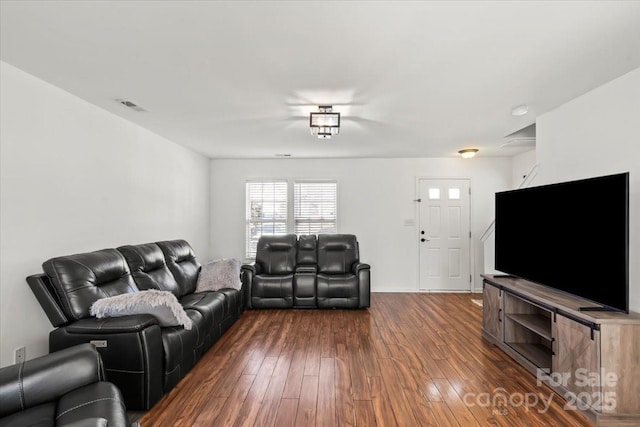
x: 276, y: 255
x: 337, y: 246
x: 146, y: 257
x: 82, y: 279
x: 278, y: 246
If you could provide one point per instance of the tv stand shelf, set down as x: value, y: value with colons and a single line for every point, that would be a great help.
x: 538, y: 354
x: 545, y: 330
x: 534, y: 322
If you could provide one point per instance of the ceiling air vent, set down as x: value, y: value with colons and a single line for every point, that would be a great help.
x: 130, y: 104
x: 525, y: 137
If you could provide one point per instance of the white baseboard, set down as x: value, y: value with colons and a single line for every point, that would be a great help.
x: 417, y: 291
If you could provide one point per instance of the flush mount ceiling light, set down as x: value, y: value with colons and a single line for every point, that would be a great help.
x: 325, y: 123
x: 520, y: 110
x: 468, y: 153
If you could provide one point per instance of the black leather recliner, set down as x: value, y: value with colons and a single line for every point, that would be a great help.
x: 272, y: 275
x: 143, y: 359
x: 343, y: 281
x: 65, y: 388
x: 310, y: 272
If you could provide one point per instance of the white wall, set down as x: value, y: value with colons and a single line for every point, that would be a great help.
x: 597, y: 134
x: 76, y: 178
x: 375, y: 198
x: 521, y: 165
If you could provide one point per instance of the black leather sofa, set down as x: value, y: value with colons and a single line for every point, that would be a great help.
x: 143, y: 359
x: 307, y: 272
x: 65, y: 388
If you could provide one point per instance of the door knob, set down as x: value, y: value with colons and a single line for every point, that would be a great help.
x: 423, y: 240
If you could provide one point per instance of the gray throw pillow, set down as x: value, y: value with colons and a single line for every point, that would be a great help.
x: 219, y: 274
x: 163, y: 305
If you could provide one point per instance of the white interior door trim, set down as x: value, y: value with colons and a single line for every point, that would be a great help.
x: 472, y: 251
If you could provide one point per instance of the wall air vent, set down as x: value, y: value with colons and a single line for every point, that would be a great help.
x: 130, y: 104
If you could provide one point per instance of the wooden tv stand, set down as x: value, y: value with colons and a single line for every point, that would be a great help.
x: 590, y: 358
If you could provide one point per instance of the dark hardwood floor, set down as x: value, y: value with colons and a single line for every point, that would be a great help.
x: 410, y: 360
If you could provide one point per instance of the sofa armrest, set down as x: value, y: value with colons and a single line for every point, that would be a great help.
x: 359, y: 266
x: 46, y: 296
x: 247, y: 273
x: 131, y: 349
x: 251, y: 268
x: 47, y: 378
x: 111, y: 325
x: 363, y: 271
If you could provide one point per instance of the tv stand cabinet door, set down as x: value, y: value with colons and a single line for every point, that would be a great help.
x: 575, y: 362
x: 492, y: 311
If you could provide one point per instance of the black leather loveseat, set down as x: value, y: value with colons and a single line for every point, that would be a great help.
x: 65, y: 388
x: 143, y: 359
x: 307, y: 272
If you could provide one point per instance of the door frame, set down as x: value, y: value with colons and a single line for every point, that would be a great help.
x: 417, y: 227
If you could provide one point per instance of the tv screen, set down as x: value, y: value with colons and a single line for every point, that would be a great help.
x: 573, y: 236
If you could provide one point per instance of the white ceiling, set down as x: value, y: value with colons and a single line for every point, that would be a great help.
x: 411, y: 79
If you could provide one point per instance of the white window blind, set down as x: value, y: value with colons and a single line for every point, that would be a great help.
x: 266, y: 211
x: 315, y: 207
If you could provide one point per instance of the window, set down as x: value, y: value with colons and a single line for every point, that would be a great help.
x: 314, y: 207
x: 266, y: 211
x: 282, y: 206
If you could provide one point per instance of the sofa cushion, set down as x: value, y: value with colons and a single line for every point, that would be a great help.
x: 276, y: 255
x: 149, y: 268
x: 82, y: 279
x: 162, y: 305
x: 272, y: 291
x: 212, y: 308
x: 182, y: 263
x: 180, y: 348
x: 210, y: 304
x: 337, y: 253
x: 337, y: 291
x: 232, y: 302
x: 219, y: 274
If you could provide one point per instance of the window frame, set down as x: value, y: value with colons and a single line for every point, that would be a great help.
x: 290, y: 217
x: 248, y: 219
x: 313, y: 181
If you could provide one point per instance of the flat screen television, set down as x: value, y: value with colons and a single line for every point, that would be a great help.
x: 572, y: 236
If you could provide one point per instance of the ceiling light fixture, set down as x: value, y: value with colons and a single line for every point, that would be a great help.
x: 325, y: 123
x: 468, y: 153
x: 520, y: 110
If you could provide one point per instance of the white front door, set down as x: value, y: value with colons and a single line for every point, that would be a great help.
x: 444, y: 233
